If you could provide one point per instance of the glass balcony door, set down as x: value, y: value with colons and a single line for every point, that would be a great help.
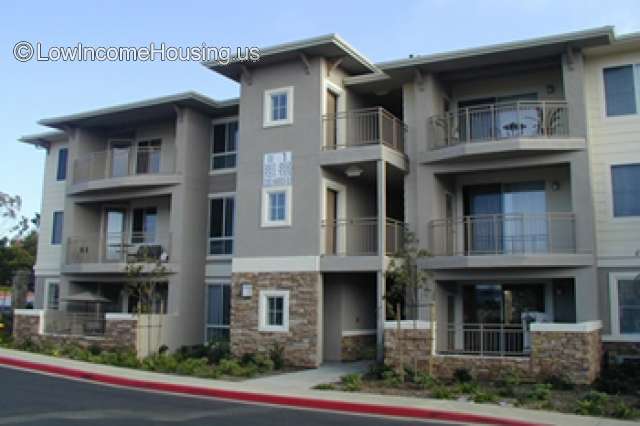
x: 119, y: 161
x: 114, y: 234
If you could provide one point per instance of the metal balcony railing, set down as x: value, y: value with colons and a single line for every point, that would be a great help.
x: 485, y: 339
x: 504, y: 234
x: 359, y: 237
x: 363, y: 127
x: 74, y: 323
x: 118, y: 247
x: 123, y: 162
x: 491, y: 122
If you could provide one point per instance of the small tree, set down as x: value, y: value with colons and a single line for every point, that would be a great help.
x: 143, y: 282
x: 406, y: 280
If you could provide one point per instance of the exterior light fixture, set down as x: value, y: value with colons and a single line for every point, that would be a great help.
x: 353, y: 171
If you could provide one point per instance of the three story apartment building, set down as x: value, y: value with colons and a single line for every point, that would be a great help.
x: 275, y: 216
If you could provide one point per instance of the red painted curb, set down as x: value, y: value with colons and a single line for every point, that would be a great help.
x: 291, y: 401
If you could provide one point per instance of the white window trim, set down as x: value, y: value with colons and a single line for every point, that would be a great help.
x: 266, y: 108
x: 609, y: 192
x: 603, y: 92
x: 220, y: 195
x: 207, y: 326
x: 262, y: 311
x: 224, y: 120
x: 266, y: 222
x: 614, y: 308
x: 47, y: 283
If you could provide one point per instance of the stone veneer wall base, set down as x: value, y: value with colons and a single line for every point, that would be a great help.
x: 301, y: 342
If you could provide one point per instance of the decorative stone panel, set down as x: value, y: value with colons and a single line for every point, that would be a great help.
x: 573, y: 351
x: 358, y: 347
x: 575, y: 355
x: 26, y: 326
x: 406, y: 346
x: 301, y: 341
x: 119, y: 333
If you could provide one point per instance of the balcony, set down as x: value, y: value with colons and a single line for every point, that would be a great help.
x: 359, y: 237
x: 370, y: 130
x: 518, y: 239
x: 110, y: 252
x: 132, y: 166
x: 523, y: 126
x: 484, y: 339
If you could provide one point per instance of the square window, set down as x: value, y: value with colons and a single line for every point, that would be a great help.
x: 276, y: 206
x: 278, y: 106
x: 625, y: 190
x: 274, y: 311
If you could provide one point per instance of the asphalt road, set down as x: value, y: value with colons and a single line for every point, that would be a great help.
x: 36, y: 399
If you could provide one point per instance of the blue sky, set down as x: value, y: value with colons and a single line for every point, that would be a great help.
x: 380, y: 30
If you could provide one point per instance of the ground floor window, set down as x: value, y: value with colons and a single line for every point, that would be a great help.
x: 218, y: 307
x: 624, y: 292
x: 52, y: 295
x: 274, y: 310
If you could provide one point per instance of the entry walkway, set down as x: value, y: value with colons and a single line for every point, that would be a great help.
x: 303, y: 380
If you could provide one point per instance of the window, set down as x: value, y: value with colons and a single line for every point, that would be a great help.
x: 63, y: 155
x: 276, y: 205
x: 56, y: 229
x: 624, y: 292
x: 278, y: 106
x: 221, y: 218
x: 218, y: 306
x: 52, y: 295
x: 274, y: 310
x: 144, y: 226
x: 621, y: 90
x: 224, y: 146
x: 148, y: 156
x: 625, y: 190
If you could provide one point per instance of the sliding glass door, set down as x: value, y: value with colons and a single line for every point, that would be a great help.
x: 506, y: 218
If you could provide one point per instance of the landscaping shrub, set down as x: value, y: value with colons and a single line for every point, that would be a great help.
x: 217, y: 351
x: 441, y: 392
x: 425, y: 381
x: 540, y: 392
x: 391, y: 379
x: 160, y: 363
x: 377, y: 370
x: 509, y: 380
x: 623, y: 411
x: 592, y: 404
x: 277, y: 356
x: 188, y: 366
x: 619, y: 379
x: 351, y: 382
x: 462, y: 375
x: 94, y: 349
x: 559, y: 382
x: 325, y: 386
x: 467, y: 388
x: 481, y: 396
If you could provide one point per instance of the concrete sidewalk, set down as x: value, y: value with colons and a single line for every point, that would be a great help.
x: 289, y: 386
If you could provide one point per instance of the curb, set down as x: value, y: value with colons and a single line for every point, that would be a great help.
x: 288, y: 401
